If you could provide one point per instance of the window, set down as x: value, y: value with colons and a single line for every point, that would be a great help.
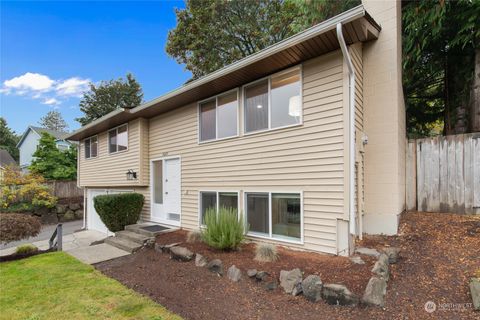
x: 91, y: 147
x: 158, y: 181
x: 62, y: 147
x: 218, y: 117
x: 216, y: 200
x: 118, y: 139
x: 274, y: 215
x: 274, y: 102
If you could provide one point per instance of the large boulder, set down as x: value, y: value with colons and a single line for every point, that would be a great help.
x: 79, y: 214
x: 234, y: 274
x: 74, y: 206
x: 61, y: 208
x: 368, y: 252
x: 375, y: 292
x: 475, y: 293
x: 289, y: 279
x: 68, y: 216
x: 181, y: 254
x: 216, y: 266
x: 392, y: 254
x: 312, y: 288
x: 165, y: 248
x: 338, y: 294
x: 381, y: 268
x: 49, y: 218
x: 200, y: 261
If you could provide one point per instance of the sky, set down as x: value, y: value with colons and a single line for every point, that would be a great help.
x: 50, y: 52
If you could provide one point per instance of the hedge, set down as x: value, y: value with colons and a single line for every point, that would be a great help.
x: 18, y: 226
x: 119, y: 210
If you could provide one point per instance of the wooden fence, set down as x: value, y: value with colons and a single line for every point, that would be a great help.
x: 443, y: 174
x: 65, y: 189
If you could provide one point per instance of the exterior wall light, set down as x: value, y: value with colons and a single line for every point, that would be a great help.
x: 131, y: 175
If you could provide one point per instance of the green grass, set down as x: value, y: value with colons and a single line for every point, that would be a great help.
x: 57, y: 286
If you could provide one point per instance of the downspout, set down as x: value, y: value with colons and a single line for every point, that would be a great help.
x: 351, y: 125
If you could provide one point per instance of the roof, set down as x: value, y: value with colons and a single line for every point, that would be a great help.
x: 59, y: 135
x: 358, y: 26
x: 6, y: 159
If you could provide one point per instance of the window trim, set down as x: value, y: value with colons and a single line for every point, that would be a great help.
x: 108, y: 138
x: 98, y: 149
x: 269, y: 77
x: 270, y: 234
x: 240, y: 211
x: 199, y: 103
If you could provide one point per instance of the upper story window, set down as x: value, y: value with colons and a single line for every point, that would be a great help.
x: 118, y: 139
x: 273, y: 102
x: 91, y: 147
x: 219, y: 117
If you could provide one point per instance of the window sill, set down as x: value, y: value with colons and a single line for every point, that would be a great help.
x: 117, y: 152
x: 217, y: 140
x: 259, y: 236
x: 273, y: 129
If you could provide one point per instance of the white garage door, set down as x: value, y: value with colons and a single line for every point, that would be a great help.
x: 93, y: 219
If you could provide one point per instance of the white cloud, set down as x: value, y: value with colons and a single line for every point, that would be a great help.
x: 51, y: 101
x: 29, y: 82
x: 73, y: 87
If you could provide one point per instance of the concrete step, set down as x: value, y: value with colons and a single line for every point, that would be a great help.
x: 132, y: 236
x: 124, y: 244
x: 137, y: 228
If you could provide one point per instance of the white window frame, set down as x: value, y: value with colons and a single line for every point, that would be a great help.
x: 270, y: 233
x: 200, y: 141
x: 98, y: 147
x: 239, y: 211
x: 108, y: 139
x: 269, y: 128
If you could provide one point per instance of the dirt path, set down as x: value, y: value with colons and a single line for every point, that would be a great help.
x: 440, y: 252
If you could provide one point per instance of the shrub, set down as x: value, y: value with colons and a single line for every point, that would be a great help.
x: 17, y: 226
x: 223, y: 230
x: 194, y: 236
x: 119, y: 210
x: 266, y: 252
x: 26, y: 249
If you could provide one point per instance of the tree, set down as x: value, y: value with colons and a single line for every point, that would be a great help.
x: 53, y: 120
x: 8, y: 139
x: 213, y: 33
x: 52, y: 163
x: 108, y: 96
x: 439, y: 41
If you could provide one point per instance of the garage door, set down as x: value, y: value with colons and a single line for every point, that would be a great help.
x: 93, y: 219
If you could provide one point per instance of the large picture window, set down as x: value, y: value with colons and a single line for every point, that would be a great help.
x: 274, y: 102
x: 274, y: 215
x: 118, y: 139
x: 219, y: 117
x: 91, y: 147
x: 216, y: 200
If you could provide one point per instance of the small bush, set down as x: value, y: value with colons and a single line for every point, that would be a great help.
x: 17, y: 226
x: 26, y: 249
x: 223, y: 230
x: 119, y: 210
x: 266, y: 252
x: 194, y: 236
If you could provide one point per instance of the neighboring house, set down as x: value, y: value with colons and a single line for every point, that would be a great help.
x: 5, y: 161
x: 30, y: 139
x: 271, y: 135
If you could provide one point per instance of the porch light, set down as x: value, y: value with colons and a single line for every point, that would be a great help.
x: 131, y: 175
x: 294, y: 106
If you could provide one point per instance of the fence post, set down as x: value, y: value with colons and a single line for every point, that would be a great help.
x: 59, y: 237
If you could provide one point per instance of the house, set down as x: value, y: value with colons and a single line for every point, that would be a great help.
x: 306, y: 138
x: 30, y: 139
x: 5, y: 161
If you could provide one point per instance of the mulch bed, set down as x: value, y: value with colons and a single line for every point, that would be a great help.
x: 440, y: 252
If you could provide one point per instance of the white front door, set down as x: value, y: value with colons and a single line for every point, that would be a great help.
x: 165, y: 191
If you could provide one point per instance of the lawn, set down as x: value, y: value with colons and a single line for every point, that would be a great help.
x: 57, y: 286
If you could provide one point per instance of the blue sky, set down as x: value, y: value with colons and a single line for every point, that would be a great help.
x: 51, y: 50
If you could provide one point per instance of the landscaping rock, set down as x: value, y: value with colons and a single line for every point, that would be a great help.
x: 271, y: 285
x: 216, y: 266
x: 368, y: 252
x: 289, y: 279
x: 297, y: 289
x: 381, y: 267
x: 49, y: 218
x: 68, y: 216
x: 150, y: 243
x: 200, y: 261
x: 61, y: 208
x: 392, y: 253
x: 338, y: 294
x: 357, y: 260
x: 312, y: 288
x: 74, y: 206
x: 79, y: 214
x: 475, y: 293
x: 261, y: 275
x: 251, y: 273
x: 375, y: 292
x: 234, y: 274
x: 165, y: 248
x: 181, y: 254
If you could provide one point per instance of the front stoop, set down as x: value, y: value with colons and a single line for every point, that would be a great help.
x: 133, y: 237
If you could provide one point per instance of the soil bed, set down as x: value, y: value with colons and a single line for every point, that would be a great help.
x: 440, y: 252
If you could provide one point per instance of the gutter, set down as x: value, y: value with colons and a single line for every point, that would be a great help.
x: 351, y: 131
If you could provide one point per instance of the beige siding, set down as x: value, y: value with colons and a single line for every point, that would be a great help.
x: 109, y: 170
x: 308, y: 158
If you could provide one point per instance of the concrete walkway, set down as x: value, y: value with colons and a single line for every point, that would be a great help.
x: 78, y: 245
